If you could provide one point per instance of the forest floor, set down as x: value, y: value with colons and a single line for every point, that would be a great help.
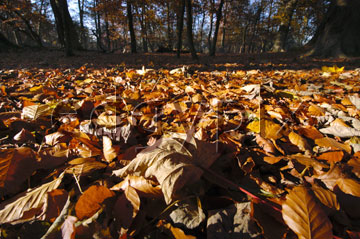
x: 221, y: 62
x: 237, y: 146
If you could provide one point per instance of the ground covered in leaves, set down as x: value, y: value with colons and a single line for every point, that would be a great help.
x: 118, y: 152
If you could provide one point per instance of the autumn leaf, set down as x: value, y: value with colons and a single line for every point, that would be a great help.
x: 29, y: 205
x: 16, y: 166
x: 90, y: 202
x: 110, y: 151
x: 326, y: 197
x: 349, y: 186
x: 333, y: 144
x: 173, y: 161
x: 299, y: 141
x: 145, y: 187
x: 304, y: 216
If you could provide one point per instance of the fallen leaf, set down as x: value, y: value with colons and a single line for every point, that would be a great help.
x: 176, y: 232
x: 341, y: 131
x: 110, y: 151
x: 299, y: 141
x: 17, y: 165
x: 34, y: 112
x: 68, y: 227
x: 304, y: 216
x: 188, y: 213
x: 326, y: 197
x: 234, y: 221
x: 349, y: 186
x: 173, y: 161
x: 145, y: 187
x: 28, y: 205
x: 333, y: 144
x: 331, y: 157
x: 90, y: 201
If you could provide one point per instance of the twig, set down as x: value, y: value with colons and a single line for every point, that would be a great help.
x: 59, y: 220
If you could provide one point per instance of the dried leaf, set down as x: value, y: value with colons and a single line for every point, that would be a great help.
x: 34, y: 112
x: 90, y: 202
x: 299, y: 141
x: 304, y: 216
x: 333, y: 144
x: 110, y: 152
x: 145, y: 187
x: 176, y: 232
x: 234, y: 221
x: 16, y: 165
x: 326, y: 197
x: 340, y: 131
x: 349, y: 186
x: 188, y: 213
x: 173, y: 162
x: 332, y: 157
x: 28, y: 205
x: 68, y: 228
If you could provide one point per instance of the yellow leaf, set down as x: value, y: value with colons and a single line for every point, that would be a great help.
x: 332, y: 69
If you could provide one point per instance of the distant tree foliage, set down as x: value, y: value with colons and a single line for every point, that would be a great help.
x: 205, y: 26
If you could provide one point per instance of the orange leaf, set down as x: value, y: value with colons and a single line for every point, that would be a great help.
x: 90, y: 202
x: 332, y: 157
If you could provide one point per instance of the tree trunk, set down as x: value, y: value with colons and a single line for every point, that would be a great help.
x: 217, y: 25
x: 5, y: 44
x: 131, y: 26
x: 58, y: 22
x: 282, y: 34
x: 211, y: 23
x: 339, y: 35
x: 179, y: 27
x: 82, y: 27
x: 65, y: 26
x: 189, y: 23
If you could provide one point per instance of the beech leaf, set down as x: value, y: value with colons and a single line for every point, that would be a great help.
x: 28, y: 205
x: 304, y: 216
x: 173, y: 161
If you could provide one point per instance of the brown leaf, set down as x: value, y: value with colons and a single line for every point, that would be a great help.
x: 355, y: 164
x: 173, y: 161
x: 333, y: 144
x: 331, y: 157
x: 55, y: 203
x: 57, y: 137
x: 110, y: 151
x: 177, y: 233
x: 16, y: 165
x: 145, y: 187
x: 265, y: 144
x: 349, y: 186
x: 299, y: 141
x: 90, y: 202
x: 126, y: 208
x: 24, y: 136
x: 304, y: 216
x: 234, y: 221
x: 326, y: 197
x: 28, y: 205
x: 84, y: 166
x: 330, y: 178
x: 310, y: 132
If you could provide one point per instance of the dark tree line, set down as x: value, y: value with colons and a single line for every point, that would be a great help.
x: 326, y: 27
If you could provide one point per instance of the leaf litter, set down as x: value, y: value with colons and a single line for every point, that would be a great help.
x: 127, y: 153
